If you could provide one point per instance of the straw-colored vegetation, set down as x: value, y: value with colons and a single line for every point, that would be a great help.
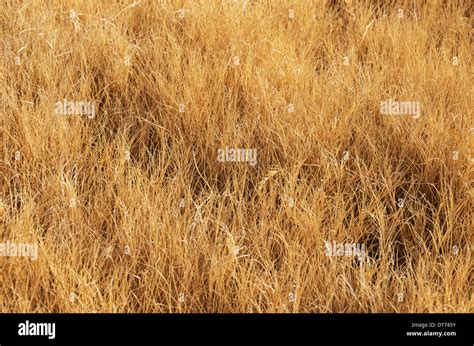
x: 131, y: 210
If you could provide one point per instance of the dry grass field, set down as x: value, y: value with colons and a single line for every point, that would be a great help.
x: 130, y: 205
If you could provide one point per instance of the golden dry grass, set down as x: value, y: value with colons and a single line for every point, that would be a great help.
x: 246, y: 238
